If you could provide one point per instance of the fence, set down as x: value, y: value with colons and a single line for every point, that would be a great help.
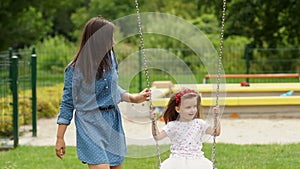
x: 51, y: 65
x: 235, y: 61
x: 51, y: 71
x: 6, y: 98
x: 17, y: 94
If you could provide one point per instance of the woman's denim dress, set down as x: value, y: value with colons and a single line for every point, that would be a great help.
x: 100, y: 136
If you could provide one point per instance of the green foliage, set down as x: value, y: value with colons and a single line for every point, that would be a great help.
x: 233, y: 54
x: 258, y: 156
x: 20, y: 23
x: 208, y: 24
x: 27, y: 157
x: 267, y: 23
x: 54, y: 53
x: 6, y: 125
x: 32, y: 21
x: 48, y: 101
x: 62, y: 22
x: 273, y: 156
x: 25, y: 111
x: 25, y: 22
x: 109, y: 9
x: 187, y: 9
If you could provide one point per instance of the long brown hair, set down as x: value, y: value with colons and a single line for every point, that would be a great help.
x: 170, y: 113
x: 93, y: 55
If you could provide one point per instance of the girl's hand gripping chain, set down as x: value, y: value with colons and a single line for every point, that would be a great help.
x: 157, y: 134
x: 216, y: 129
x: 153, y: 114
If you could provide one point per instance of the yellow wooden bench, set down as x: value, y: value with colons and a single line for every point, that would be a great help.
x: 165, y: 87
x: 240, y: 101
x: 235, y: 89
x: 249, y: 107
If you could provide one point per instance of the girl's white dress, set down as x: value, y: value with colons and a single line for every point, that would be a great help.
x: 186, y: 145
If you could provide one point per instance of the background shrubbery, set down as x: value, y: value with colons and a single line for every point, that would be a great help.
x: 48, y: 100
x: 54, y: 28
x: 54, y: 53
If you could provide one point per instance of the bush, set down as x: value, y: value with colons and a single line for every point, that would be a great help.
x: 54, y: 53
x: 48, y: 100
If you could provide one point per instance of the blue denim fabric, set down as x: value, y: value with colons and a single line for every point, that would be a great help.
x: 100, y: 135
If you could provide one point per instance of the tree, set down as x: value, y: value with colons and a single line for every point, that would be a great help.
x: 109, y: 9
x: 267, y: 23
x: 25, y: 22
x: 19, y: 24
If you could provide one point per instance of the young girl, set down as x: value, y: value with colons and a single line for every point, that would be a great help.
x: 185, y: 130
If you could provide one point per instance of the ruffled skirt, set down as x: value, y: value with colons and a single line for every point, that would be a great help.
x: 184, y: 163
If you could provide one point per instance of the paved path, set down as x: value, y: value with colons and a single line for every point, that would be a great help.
x: 138, y: 131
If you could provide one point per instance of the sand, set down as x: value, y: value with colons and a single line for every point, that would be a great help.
x: 138, y: 132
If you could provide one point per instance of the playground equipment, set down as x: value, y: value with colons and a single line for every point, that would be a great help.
x: 254, y: 76
x: 258, y: 100
x: 219, y: 65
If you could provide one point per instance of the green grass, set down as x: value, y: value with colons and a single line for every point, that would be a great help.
x: 228, y: 156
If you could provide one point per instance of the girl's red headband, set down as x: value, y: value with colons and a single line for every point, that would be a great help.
x: 178, y: 95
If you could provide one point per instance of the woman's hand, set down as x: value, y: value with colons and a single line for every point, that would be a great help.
x: 137, y: 97
x: 60, y: 148
x: 145, y: 95
x: 141, y: 97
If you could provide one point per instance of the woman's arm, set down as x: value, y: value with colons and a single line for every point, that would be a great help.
x: 137, y: 97
x: 60, y: 146
x: 65, y: 112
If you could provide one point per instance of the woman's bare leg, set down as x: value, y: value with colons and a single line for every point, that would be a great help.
x: 98, y: 166
x: 116, y: 167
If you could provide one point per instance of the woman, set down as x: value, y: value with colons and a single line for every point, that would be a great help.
x: 91, y: 89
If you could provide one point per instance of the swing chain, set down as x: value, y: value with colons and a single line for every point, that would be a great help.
x: 218, y: 81
x: 146, y: 72
x: 142, y: 42
x: 218, y: 78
